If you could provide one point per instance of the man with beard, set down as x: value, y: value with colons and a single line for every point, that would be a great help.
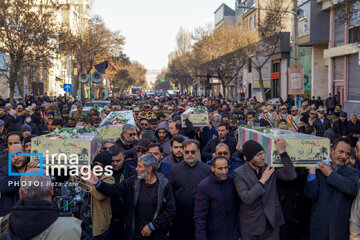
x: 184, y: 177
x: 162, y: 133
x: 223, y: 137
x: 156, y: 150
x: 341, y: 127
x: 121, y: 171
x: 354, y: 125
x: 127, y: 137
x: 260, y: 211
x: 7, y: 118
x: 148, y: 200
x: 332, y: 189
x: 176, y: 155
x: 144, y: 124
x: 217, y: 204
x: 9, y: 185
x: 36, y: 217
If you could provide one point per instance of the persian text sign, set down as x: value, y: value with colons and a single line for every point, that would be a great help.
x: 304, y: 150
x: 296, y: 80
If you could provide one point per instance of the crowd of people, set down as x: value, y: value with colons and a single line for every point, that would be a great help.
x: 183, y: 182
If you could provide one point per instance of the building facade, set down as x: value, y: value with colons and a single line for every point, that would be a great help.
x: 342, y: 53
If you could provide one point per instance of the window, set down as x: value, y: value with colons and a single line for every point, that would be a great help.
x: 275, y: 67
x: 249, y: 65
x: 255, y: 20
x: 354, y: 34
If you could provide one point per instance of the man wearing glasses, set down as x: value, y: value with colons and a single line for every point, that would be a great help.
x: 184, y: 178
x: 127, y: 138
x: 106, y: 145
x: 260, y: 211
x: 144, y: 124
x: 222, y: 150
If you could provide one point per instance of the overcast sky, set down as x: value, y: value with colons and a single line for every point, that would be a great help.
x: 150, y: 26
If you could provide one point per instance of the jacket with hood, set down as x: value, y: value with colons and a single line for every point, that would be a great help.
x: 37, y: 219
x: 164, y: 143
x: 129, y: 190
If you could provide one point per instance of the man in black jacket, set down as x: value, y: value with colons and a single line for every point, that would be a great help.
x: 36, y: 117
x: 184, y: 178
x: 354, y: 125
x: 223, y: 137
x: 7, y: 118
x: 217, y: 204
x: 121, y: 171
x: 332, y: 189
x: 148, y: 197
x: 127, y: 138
x: 341, y: 127
x: 321, y: 123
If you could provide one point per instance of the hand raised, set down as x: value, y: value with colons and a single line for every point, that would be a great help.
x: 267, y: 174
x: 280, y: 145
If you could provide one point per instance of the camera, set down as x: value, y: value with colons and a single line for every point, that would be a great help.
x: 68, y: 197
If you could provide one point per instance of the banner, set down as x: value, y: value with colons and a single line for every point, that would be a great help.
x: 296, y: 80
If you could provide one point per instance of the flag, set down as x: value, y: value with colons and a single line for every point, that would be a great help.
x: 102, y: 66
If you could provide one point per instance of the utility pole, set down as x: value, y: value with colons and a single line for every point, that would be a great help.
x: 296, y: 33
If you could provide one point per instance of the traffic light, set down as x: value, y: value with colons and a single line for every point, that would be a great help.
x: 163, y: 80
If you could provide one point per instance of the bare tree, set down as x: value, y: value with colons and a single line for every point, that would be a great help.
x: 28, y: 33
x: 270, y: 29
x: 223, y: 53
x: 91, y: 46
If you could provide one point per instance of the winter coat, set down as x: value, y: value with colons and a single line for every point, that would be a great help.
x: 36, y: 118
x: 342, y: 128
x: 8, y: 119
x: 321, y: 127
x: 9, y: 188
x: 332, y: 197
x: 355, y: 129
x: 171, y: 160
x: 100, y: 207
x: 260, y: 203
x: 294, y: 204
x: 36, y: 219
x: 184, y: 180
x: 117, y: 205
x: 355, y: 219
x: 164, y: 143
x: 206, y: 135
x: 124, y: 145
x: 216, y: 210
x: 210, y: 148
x: 330, y: 103
x: 129, y: 190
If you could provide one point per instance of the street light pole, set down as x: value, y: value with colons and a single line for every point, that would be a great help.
x: 296, y: 33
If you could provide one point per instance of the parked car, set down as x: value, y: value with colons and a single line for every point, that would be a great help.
x: 87, y: 106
